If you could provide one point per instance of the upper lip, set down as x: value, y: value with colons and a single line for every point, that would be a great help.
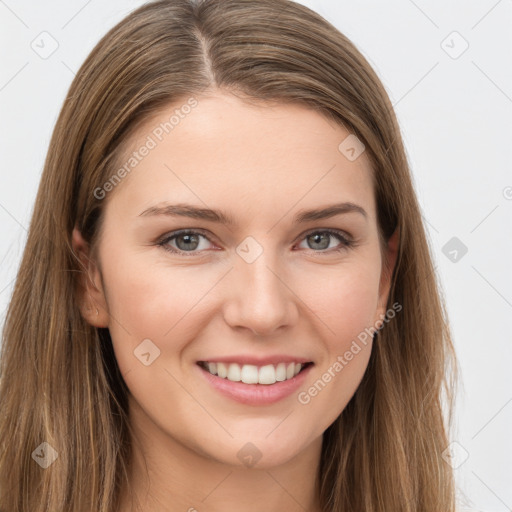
x: 257, y: 361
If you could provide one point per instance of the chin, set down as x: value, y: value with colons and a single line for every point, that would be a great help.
x: 260, y: 452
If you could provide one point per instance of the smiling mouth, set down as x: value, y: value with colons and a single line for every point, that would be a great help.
x: 252, y: 374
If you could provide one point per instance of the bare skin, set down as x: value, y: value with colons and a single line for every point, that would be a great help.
x: 300, y: 297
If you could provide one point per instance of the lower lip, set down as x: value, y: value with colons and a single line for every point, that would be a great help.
x: 256, y: 394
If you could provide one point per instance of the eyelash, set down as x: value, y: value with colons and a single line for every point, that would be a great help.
x: 346, y: 242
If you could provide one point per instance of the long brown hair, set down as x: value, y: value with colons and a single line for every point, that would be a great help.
x: 60, y: 382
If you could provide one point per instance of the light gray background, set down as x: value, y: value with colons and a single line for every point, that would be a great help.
x: 454, y: 109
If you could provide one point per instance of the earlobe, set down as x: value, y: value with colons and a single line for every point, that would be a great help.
x: 89, y: 291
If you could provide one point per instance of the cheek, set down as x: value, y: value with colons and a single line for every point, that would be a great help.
x: 151, y: 301
x: 344, y: 299
x: 346, y: 305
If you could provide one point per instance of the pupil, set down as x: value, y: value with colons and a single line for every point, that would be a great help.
x: 188, y: 239
x: 326, y: 238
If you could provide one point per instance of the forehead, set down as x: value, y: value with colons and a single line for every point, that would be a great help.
x: 254, y: 157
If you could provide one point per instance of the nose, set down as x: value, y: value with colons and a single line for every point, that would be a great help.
x: 260, y: 299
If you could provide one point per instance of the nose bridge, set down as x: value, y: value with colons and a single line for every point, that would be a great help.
x: 260, y: 300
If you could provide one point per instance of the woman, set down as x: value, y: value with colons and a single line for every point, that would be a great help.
x: 177, y: 339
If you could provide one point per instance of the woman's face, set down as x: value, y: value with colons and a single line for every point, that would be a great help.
x: 266, y: 288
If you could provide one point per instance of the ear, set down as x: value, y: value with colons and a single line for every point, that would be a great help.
x: 389, y: 257
x: 90, y: 294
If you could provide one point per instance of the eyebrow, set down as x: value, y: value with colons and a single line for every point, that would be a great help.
x: 187, y: 210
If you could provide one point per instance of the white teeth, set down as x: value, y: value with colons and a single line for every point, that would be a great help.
x: 234, y: 373
x: 281, y: 372
x: 267, y: 374
x: 251, y: 374
x: 222, y: 371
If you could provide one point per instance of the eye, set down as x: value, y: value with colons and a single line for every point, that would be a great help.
x: 189, y: 241
x: 186, y: 240
x: 320, y: 239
